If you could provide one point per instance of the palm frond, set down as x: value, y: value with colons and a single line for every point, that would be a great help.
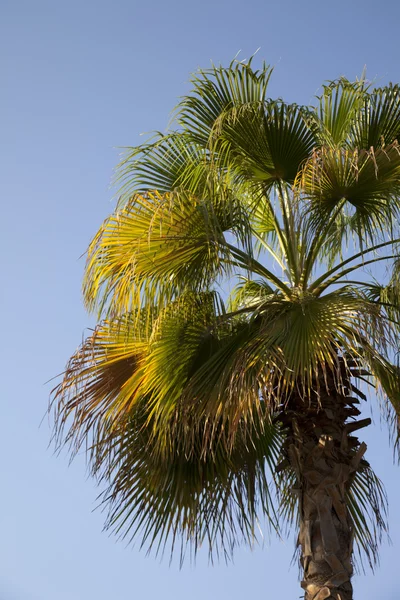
x: 156, y: 246
x: 266, y: 141
x: 338, y: 211
x: 249, y: 293
x: 181, y: 335
x: 217, y: 89
x: 99, y: 387
x: 218, y: 500
x: 339, y: 106
x: 343, y: 268
x: 378, y: 123
x: 154, y: 488
x: 388, y: 295
x: 143, y: 357
x: 387, y: 378
x: 170, y: 161
x: 368, y: 508
x: 367, y: 181
x: 281, y: 347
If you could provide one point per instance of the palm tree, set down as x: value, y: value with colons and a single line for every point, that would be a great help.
x: 205, y: 412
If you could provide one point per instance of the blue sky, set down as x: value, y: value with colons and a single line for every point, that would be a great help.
x: 79, y: 80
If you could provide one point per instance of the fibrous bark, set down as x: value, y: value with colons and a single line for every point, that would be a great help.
x: 324, y: 456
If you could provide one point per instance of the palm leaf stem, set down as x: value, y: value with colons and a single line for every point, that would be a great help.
x: 246, y: 309
x: 282, y: 239
x: 250, y: 263
x: 294, y: 236
x: 318, y: 241
x: 271, y: 251
x: 328, y: 273
x: 336, y: 278
x: 290, y: 233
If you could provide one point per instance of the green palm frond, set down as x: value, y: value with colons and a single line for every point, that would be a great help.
x: 267, y: 231
x: 368, y: 181
x: 182, y: 333
x: 387, y: 378
x: 368, y: 508
x: 388, y: 295
x: 266, y: 141
x: 174, y: 162
x: 339, y: 107
x: 191, y: 498
x: 170, y: 161
x: 262, y: 213
x: 281, y: 347
x: 378, y: 123
x: 249, y: 293
x: 217, y: 89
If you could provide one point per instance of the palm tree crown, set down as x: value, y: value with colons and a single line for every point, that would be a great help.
x: 188, y: 397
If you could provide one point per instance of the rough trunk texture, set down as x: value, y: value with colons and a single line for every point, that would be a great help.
x: 324, y: 456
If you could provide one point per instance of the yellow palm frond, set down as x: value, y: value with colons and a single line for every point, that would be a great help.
x: 100, y: 384
x: 155, y: 246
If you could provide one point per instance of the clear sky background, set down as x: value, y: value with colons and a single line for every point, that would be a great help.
x: 78, y: 80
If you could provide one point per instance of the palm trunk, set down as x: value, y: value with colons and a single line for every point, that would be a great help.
x: 324, y: 457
